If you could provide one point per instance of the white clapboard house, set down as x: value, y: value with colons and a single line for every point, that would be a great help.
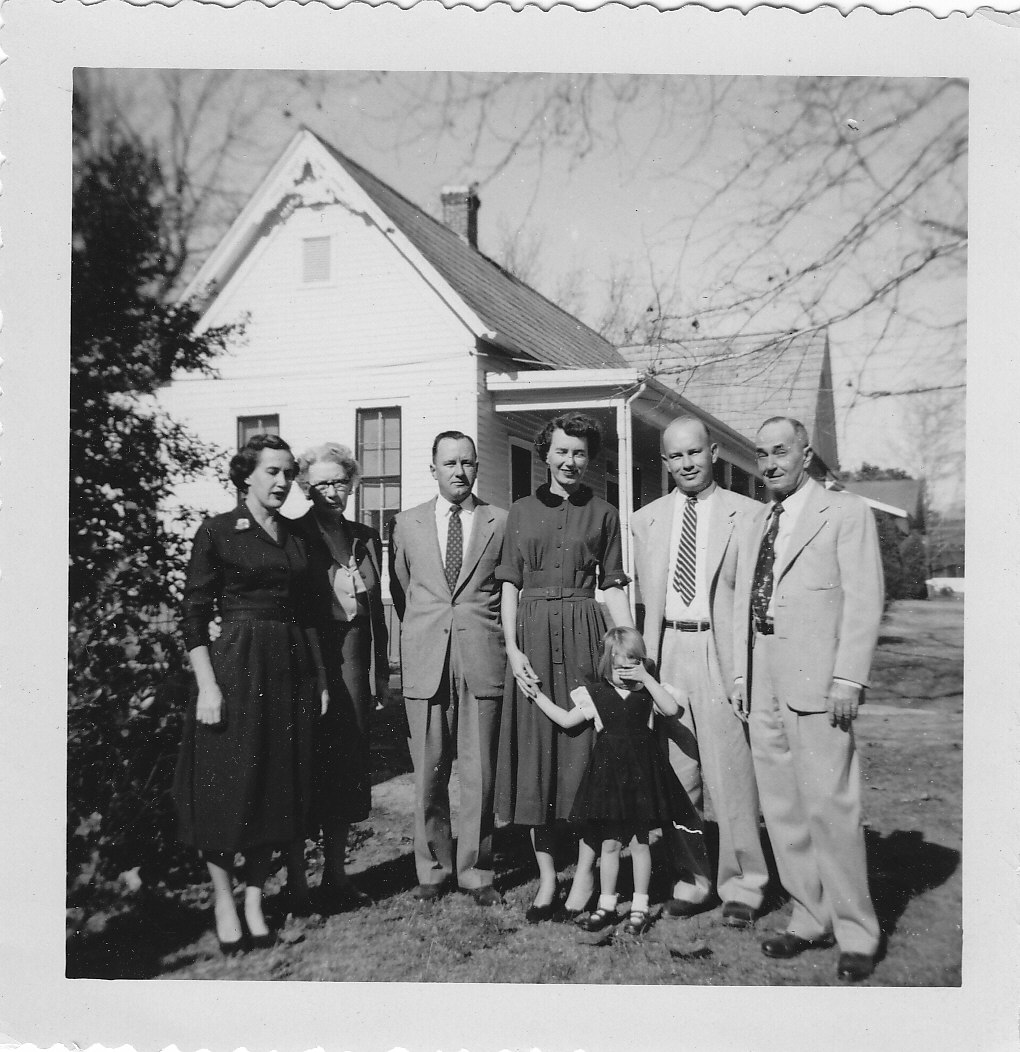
x: 371, y: 323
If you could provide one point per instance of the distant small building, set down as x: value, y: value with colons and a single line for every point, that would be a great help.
x: 902, y: 498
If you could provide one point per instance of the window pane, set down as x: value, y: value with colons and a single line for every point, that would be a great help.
x: 392, y: 495
x: 391, y: 462
x: 371, y: 496
x: 371, y: 462
x: 266, y: 423
x: 392, y: 428
x: 369, y: 430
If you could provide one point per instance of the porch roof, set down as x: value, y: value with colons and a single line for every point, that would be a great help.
x: 650, y: 400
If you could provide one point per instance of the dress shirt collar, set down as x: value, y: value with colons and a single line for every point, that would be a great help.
x: 444, y: 506
x: 706, y: 494
x: 793, y: 504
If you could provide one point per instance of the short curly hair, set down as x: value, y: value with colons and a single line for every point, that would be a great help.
x: 577, y: 425
x: 329, y: 453
x: 246, y: 459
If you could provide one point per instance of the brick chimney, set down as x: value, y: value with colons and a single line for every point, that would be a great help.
x: 460, y: 211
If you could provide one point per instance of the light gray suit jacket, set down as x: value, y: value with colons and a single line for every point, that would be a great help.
x: 827, y: 597
x: 652, y: 527
x: 430, y: 612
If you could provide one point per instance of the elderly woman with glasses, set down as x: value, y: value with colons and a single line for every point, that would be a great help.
x: 345, y: 557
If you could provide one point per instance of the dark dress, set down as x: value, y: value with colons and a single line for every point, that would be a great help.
x: 245, y: 782
x: 629, y: 786
x: 555, y: 550
x: 354, y: 653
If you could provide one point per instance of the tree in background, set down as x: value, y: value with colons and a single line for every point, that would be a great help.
x: 126, y: 552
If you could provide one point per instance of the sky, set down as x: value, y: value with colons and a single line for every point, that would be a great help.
x: 587, y: 177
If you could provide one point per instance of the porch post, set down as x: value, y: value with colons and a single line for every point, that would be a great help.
x: 625, y: 457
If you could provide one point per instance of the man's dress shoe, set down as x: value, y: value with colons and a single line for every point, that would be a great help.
x: 786, y: 944
x: 485, y: 896
x: 853, y: 967
x: 427, y: 892
x: 737, y: 915
x: 682, y: 908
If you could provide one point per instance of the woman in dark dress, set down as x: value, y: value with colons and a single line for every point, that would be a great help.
x: 244, y: 769
x: 560, y: 542
x: 345, y: 558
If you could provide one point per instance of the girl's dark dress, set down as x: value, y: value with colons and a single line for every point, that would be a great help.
x: 556, y: 550
x: 629, y: 786
x: 245, y: 782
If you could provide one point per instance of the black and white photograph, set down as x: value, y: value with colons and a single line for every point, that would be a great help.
x: 516, y: 537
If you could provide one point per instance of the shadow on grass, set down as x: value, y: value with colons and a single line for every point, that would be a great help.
x: 901, y: 866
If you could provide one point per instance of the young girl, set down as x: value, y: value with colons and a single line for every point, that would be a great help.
x: 628, y: 787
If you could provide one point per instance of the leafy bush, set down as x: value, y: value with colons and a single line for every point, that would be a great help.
x: 127, y: 678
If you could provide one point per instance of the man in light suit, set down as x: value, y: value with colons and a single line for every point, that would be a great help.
x: 443, y: 558
x: 685, y: 548
x: 809, y: 604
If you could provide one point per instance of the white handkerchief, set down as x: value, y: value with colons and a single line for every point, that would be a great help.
x: 582, y: 700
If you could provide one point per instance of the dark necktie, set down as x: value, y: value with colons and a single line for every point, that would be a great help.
x: 687, y: 555
x: 761, y: 592
x: 454, y: 547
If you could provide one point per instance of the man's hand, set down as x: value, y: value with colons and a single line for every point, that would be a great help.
x: 842, y: 703
x: 740, y: 701
x: 324, y: 703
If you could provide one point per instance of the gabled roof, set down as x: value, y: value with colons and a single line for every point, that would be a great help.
x: 900, y: 493
x: 744, y: 380
x: 524, y: 320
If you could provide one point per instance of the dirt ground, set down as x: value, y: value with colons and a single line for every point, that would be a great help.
x: 910, y: 737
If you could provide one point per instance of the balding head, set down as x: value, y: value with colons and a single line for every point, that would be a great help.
x: 689, y: 453
x: 691, y: 426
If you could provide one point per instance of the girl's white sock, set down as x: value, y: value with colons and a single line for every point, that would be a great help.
x: 608, y: 902
x: 639, y: 902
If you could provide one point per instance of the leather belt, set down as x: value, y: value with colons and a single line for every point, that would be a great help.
x: 556, y: 592
x: 258, y: 613
x: 765, y: 628
x: 687, y: 626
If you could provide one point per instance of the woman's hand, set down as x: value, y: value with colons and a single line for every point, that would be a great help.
x: 209, y: 709
x: 324, y: 698
x: 525, y: 675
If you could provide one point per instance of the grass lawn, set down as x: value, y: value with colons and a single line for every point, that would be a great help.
x: 910, y: 738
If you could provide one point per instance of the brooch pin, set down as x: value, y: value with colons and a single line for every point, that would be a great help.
x: 241, y: 525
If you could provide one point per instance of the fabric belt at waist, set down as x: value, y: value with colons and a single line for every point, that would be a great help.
x: 687, y: 626
x: 259, y: 613
x: 765, y: 628
x: 556, y: 592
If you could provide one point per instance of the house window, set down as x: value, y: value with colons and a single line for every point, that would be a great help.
x: 520, y: 471
x: 264, y: 424
x: 379, y: 455
x: 315, y: 260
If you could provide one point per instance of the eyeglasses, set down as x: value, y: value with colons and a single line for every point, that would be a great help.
x: 322, y: 488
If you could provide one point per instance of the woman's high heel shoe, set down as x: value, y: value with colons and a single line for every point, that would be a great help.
x: 232, y: 949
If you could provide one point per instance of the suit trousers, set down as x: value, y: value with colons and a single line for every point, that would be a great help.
x: 809, y: 781
x: 708, y: 741
x: 453, y: 723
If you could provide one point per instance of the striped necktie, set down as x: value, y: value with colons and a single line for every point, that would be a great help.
x: 454, y: 547
x: 686, y: 553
